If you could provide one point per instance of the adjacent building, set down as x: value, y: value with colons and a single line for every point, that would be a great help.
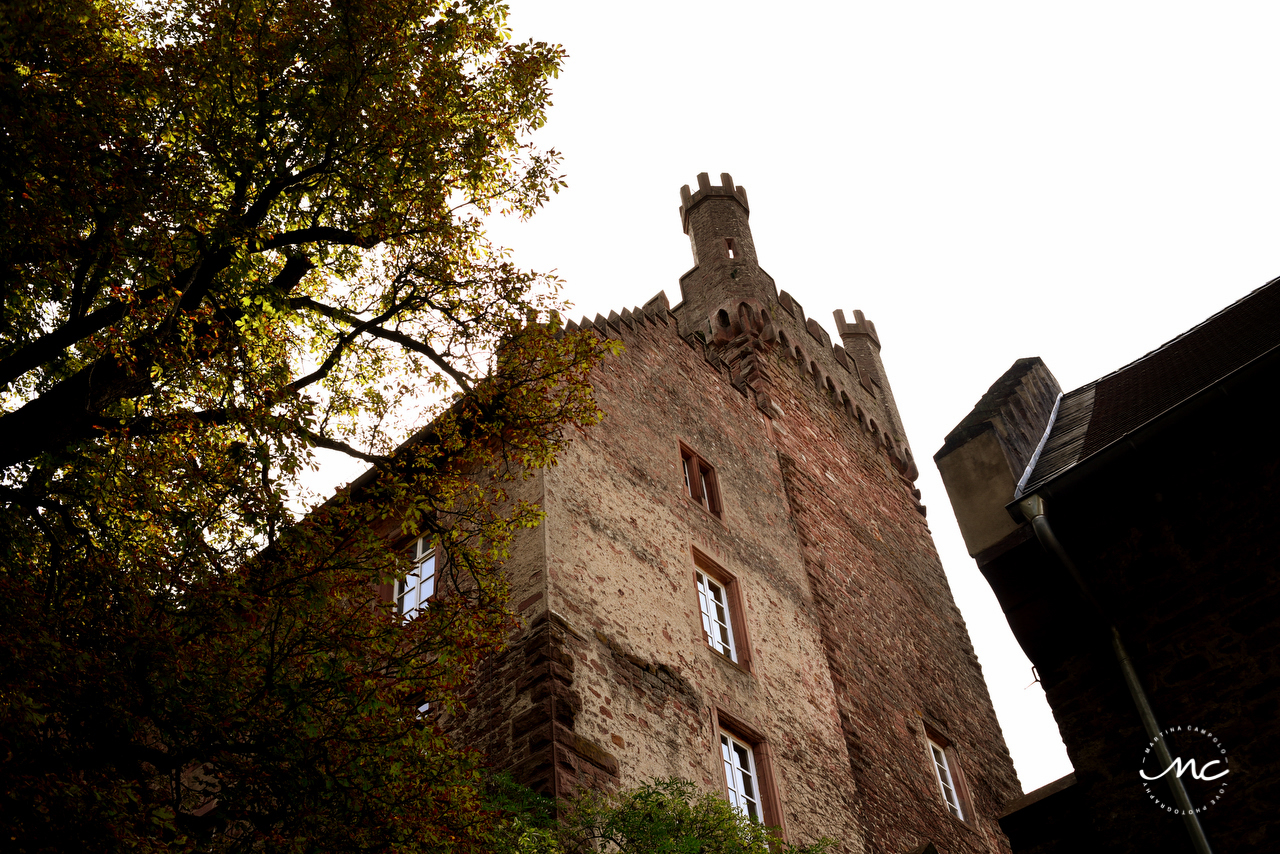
x: 1130, y: 531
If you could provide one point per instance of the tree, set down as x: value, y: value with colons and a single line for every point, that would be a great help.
x: 663, y: 816
x: 234, y: 232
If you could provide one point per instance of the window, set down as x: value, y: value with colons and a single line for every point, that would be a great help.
x: 721, y: 610
x: 748, y: 783
x: 733, y: 250
x: 700, y: 481
x: 947, y: 781
x: 717, y: 623
x: 740, y: 776
x: 417, y: 587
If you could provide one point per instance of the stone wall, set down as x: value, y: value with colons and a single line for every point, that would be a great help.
x: 896, y: 647
x: 853, y: 647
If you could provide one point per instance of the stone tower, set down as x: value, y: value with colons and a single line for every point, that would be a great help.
x: 724, y: 255
x: 735, y: 582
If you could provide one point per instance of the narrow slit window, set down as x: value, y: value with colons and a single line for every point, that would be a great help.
x: 729, y: 245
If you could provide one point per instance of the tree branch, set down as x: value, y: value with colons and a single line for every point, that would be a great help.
x: 400, y: 338
x: 321, y: 441
x: 317, y: 234
x: 45, y: 350
x: 272, y: 191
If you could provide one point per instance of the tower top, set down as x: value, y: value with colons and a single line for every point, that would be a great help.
x: 725, y: 268
x: 690, y: 200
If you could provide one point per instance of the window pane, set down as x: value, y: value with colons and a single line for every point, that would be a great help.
x: 945, y: 781
x: 739, y: 771
x: 413, y: 592
x: 730, y: 774
x: 722, y: 637
x: 427, y: 576
x: 744, y: 769
x: 705, y: 605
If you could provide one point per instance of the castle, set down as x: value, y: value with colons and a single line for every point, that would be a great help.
x: 735, y: 582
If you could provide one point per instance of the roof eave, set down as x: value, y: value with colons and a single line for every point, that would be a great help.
x: 1077, y: 476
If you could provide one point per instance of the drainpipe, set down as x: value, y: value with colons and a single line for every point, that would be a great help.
x: 1033, y: 508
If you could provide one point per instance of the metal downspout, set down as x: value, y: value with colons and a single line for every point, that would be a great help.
x: 1033, y: 508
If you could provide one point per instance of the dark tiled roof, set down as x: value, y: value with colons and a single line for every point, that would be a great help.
x: 1102, y: 412
x: 1063, y: 450
x: 1160, y: 380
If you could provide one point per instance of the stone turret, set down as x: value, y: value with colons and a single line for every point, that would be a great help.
x: 733, y: 306
x: 863, y: 344
x: 724, y: 253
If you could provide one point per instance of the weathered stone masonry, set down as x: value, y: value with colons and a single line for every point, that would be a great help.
x: 852, y: 649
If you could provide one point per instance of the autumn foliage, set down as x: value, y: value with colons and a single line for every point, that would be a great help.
x: 662, y: 816
x: 235, y: 232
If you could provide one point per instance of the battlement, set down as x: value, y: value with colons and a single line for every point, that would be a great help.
x: 656, y: 310
x: 860, y: 326
x: 690, y: 200
x: 743, y: 329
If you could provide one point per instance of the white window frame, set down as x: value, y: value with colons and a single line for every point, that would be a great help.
x: 946, y: 780
x: 415, y: 590
x: 717, y: 616
x: 740, y: 777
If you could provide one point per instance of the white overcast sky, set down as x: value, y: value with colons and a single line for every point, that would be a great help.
x: 986, y: 180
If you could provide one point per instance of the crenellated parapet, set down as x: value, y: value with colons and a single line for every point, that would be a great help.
x: 848, y: 384
x: 740, y: 335
x: 655, y: 311
x: 742, y: 331
x: 739, y: 338
x: 853, y: 371
x: 727, y: 190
